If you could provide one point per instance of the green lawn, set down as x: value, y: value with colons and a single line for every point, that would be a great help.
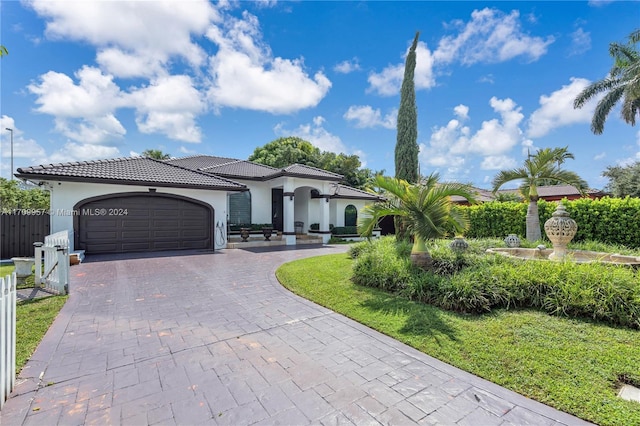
x: 572, y: 365
x: 33, y: 319
x: 8, y: 269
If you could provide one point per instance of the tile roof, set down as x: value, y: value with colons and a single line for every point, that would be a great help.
x: 550, y: 191
x: 243, y: 169
x: 342, y: 191
x: 199, y: 162
x: 129, y: 171
x: 312, y: 172
x: 555, y: 191
x: 482, y: 195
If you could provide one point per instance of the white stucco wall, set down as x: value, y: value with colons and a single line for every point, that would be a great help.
x: 260, y: 200
x: 65, y: 195
x: 339, y: 204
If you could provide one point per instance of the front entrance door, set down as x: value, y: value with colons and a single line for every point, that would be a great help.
x: 277, y: 211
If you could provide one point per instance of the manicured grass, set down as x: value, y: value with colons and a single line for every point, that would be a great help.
x: 33, y: 319
x: 572, y: 365
x: 8, y: 270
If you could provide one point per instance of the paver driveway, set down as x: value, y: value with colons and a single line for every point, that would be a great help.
x: 214, y: 339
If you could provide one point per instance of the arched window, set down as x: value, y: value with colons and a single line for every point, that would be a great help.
x: 240, y: 208
x: 350, y: 215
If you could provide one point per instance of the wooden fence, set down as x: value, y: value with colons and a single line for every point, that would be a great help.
x: 7, y: 336
x: 18, y: 232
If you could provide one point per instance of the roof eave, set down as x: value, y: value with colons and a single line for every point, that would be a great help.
x: 39, y: 177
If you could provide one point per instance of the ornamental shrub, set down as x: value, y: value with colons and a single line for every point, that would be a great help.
x: 476, y: 282
x: 608, y: 220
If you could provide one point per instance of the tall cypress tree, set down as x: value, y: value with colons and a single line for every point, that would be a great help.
x: 407, y: 139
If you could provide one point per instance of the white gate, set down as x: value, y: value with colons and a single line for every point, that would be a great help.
x: 7, y: 336
x: 55, y: 251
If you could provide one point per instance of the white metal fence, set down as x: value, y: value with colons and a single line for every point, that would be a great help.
x: 55, y: 252
x: 7, y: 336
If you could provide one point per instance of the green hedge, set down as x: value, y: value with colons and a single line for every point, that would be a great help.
x: 344, y: 230
x: 608, y: 220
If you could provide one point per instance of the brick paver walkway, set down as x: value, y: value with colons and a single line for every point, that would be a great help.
x: 214, y: 339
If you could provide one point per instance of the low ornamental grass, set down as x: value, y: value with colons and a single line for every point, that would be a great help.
x: 476, y: 282
x: 575, y: 365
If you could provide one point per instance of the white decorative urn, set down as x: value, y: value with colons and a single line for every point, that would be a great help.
x: 560, y: 229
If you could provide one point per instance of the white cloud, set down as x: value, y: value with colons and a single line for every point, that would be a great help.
x: 490, y: 36
x: 28, y: 152
x: 388, y: 81
x: 346, y: 67
x: 365, y: 116
x: 498, y: 162
x: 81, y: 152
x: 496, y: 136
x: 600, y: 156
x: 170, y: 106
x: 25, y: 151
x: 129, y: 65
x: 454, y: 146
x: 316, y: 134
x: 556, y: 109
x: 186, y: 151
x: 245, y: 74
x: 580, y: 42
x: 151, y: 31
x: 461, y: 111
x: 83, y: 112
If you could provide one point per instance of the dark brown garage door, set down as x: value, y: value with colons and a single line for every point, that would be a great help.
x: 143, y: 222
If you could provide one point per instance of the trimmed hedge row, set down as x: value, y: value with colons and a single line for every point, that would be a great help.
x: 475, y: 282
x: 608, y: 220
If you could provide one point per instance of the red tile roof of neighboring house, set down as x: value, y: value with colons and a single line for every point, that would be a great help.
x: 549, y: 193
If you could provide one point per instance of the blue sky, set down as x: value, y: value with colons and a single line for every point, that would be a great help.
x: 494, y: 80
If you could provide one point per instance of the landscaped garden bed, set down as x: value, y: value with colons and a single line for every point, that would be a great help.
x: 498, y: 323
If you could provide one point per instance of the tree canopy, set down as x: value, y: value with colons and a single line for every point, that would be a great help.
x: 621, y: 85
x: 15, y: 195
x: 156, y: 154
x: 623, y: 180
x: 285, y: 151
x: 406, y: 152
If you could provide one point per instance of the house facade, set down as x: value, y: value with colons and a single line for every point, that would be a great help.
x: 141, y: 204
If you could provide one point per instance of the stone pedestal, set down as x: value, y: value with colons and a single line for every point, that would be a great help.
x: 24, y: 267
x: 560, y: 230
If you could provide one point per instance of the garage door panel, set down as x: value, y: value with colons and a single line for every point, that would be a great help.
x: 101, y: 235
x: 151, y: 223
x: 132, y: 247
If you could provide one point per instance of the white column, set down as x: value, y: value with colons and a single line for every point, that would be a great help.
x: 325, y: 216
x: 289, y: 232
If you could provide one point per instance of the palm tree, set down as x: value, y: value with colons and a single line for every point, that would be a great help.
x: 543, y: 166
x: 622, y: 84
x: 425, y: 208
